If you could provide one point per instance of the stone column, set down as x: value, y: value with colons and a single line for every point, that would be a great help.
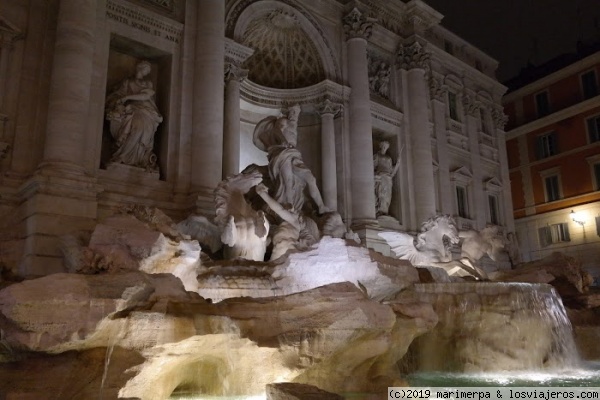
x: 479, y: 196
x: 61, y: 197
x: 70, y: 85
x: 8, y: 35
x: 362, y: 182
x: 438, y: 96
x: 207, y: 119
x: 415, y: 61
x: 231, y: 125
x: 328, y: 111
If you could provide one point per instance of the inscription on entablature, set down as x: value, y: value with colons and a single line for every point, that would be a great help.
x: 141, y: 21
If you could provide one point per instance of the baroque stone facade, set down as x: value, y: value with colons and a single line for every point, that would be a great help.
x: 217, y: 68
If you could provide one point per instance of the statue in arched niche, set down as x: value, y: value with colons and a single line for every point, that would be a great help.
x: 385, y: 170
x: 134, y: 118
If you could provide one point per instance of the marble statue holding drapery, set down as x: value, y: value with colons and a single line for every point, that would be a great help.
x: 385, y: 170
x: 134, y: 118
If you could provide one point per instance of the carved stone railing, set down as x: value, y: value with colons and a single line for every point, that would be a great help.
x: 488, y: 152
x: 454, y: 126
x: 457, y: 140
x: 487, y: 139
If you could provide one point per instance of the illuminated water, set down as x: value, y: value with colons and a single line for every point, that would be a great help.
x: 587, y: 376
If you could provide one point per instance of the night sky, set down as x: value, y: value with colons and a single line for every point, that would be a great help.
x: 517, y: 32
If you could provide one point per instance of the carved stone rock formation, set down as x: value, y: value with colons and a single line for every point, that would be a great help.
x: 332, y: 337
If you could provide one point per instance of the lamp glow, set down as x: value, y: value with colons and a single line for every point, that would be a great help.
x: 578, y: 218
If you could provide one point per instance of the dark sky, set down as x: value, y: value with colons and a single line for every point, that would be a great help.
x: 516, y: 32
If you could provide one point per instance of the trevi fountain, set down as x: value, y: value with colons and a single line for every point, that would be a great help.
x: 251, y: 199
x: 276, y: 289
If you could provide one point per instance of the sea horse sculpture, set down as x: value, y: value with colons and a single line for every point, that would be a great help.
x: 432, y: 247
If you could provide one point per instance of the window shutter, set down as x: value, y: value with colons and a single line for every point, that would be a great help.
x: 567, y: 237
x: 545, y: 236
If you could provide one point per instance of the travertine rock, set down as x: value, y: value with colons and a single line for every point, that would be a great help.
x: 127, y: 243
x: 492, y: 327
x: 298, y: 391
x: 561, y: 271
x: 330, y: 261
x: 332, y: 336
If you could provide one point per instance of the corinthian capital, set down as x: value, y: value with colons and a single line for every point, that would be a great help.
x: 357, y: 25
x: 412, y: 56
x: 235, y: 72
x: 500, y: 119
x: 437, y: 88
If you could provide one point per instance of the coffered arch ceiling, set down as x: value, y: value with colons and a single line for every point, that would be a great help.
x: 290, y: 48
x: 285, y: 57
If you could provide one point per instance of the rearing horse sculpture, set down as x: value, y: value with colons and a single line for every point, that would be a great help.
x: 432, y: 244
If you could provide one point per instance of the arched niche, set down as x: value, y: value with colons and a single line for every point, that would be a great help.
x: 242, y: 15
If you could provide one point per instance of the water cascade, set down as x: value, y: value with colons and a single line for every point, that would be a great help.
x: 492, y: 327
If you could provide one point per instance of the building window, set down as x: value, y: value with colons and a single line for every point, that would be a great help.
x: 461, y: 202
x: 589, y: 85
x: 452, y: 106
x: 542, y: 104
x: 448, y: 47
x: 593, y: 127
x: 493, y: 204
x: 555, y: 233
x: 546, y: 145
x: 552, y: 188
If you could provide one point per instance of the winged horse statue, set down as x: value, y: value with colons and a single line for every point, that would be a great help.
x: 432, y: 247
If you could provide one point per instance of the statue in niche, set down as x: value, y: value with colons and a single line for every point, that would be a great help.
x: 288, y: 174
x: 134, y: 118
x: 385, y: 170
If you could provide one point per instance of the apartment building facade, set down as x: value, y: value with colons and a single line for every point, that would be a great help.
x: 553, y: 148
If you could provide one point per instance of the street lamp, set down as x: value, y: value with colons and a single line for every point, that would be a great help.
x: 577, y: 218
